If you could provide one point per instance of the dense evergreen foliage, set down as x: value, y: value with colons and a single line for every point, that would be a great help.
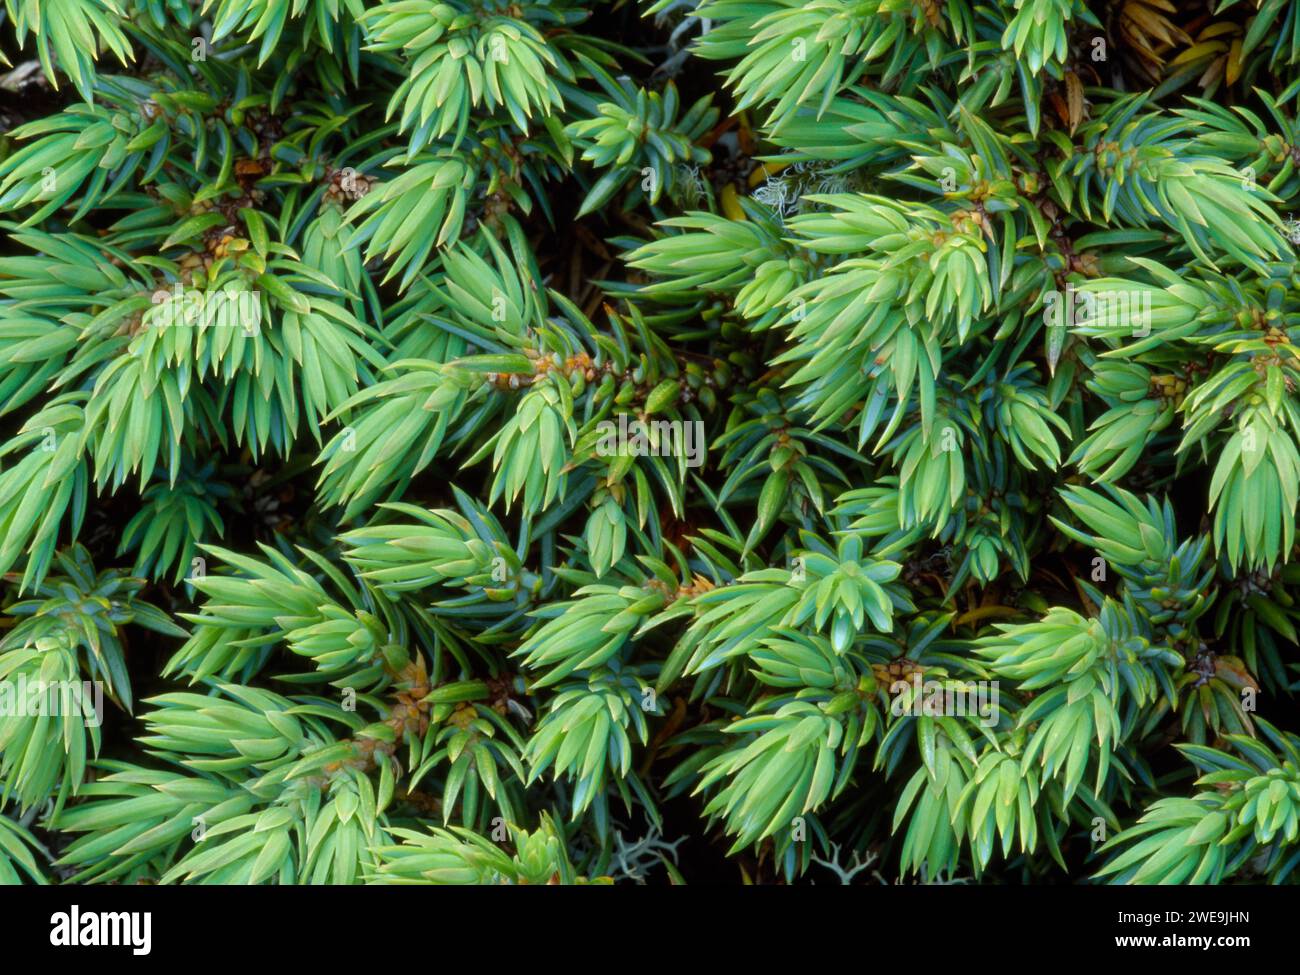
x: 746, y: 440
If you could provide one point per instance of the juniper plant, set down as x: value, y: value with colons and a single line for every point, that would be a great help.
x: 353, y: 355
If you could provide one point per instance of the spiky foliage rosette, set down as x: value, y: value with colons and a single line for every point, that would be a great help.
x: 448, y: 441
